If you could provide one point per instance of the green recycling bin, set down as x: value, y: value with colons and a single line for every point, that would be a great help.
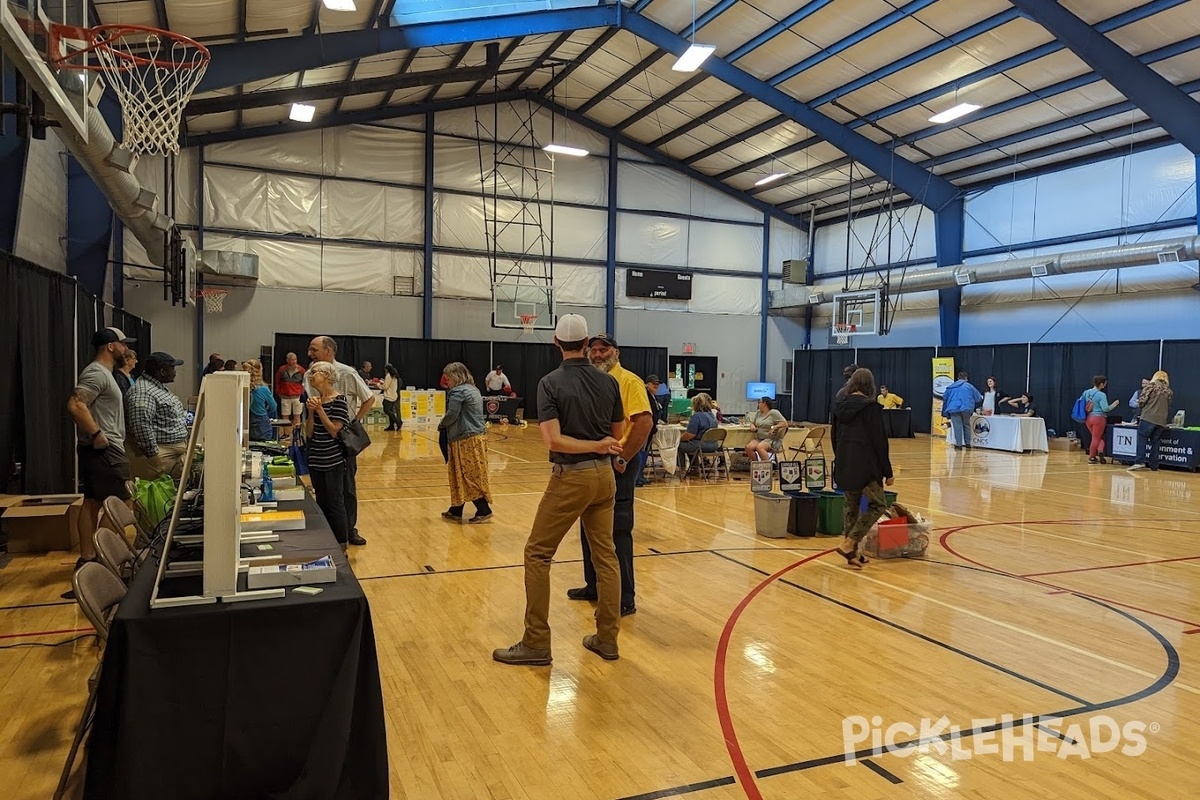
x: 829, y: 512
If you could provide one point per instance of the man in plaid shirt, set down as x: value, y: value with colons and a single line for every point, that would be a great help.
x: 155, y: 419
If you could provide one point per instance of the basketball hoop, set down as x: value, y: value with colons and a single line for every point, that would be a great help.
x: 841, y: 333
x: 528, y: 321
x: 214, y: 300
x: 153, y: 72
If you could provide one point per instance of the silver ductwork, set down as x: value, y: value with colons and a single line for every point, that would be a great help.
x: 1121, y: 256
x: 133, y: 204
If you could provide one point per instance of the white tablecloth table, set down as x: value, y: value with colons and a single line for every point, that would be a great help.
x: 1015, y: 434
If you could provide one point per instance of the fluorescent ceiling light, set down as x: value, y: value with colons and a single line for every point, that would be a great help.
x: 770, y: 178
x: 302, y: 112
x: 693, y: 57
x: 563, y: 150
x: 340, y: 5
x: 950, y: 114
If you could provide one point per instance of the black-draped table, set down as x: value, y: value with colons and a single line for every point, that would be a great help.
x: 1179, y: 448
x: 255, y: 699
x: 499, y: 406
x: 898, y: 423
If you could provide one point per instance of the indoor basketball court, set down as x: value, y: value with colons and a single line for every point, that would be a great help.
x: 942, y: 192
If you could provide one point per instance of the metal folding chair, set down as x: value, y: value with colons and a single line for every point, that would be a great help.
x: 713, y: 461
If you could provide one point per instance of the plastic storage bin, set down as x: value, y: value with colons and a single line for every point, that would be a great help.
x: 803, y: 519
x: 829, y: 512
x: 772, y: 513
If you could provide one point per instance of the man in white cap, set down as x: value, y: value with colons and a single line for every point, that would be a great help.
x: 581, y: 420
x: 98, y: 410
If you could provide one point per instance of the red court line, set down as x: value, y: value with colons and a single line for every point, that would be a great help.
x: 44, y: 633
x: 1109, y: 566
x: 946, y: 536
x: 744, y: 774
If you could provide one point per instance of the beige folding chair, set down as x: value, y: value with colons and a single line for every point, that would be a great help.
x: 116, y: 516
x: 116, y: 554
x: 98, y: 592
x: 714, y: 460
x: 812, y: 440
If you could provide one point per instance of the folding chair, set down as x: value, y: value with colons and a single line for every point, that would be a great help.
x: 715, y: 459
x: 98, y: 592
x: 116, y: 516
x: 116, y: 554
x: 812, y: 440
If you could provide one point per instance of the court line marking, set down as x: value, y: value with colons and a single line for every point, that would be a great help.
x: 881, y: 772
x: 1109, y: 566
x: 438, y: 497
x: 1013, y: 628
x: 750, y: 536
x: 45, y: 633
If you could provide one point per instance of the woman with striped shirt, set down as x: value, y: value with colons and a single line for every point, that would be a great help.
x: 327, y: 413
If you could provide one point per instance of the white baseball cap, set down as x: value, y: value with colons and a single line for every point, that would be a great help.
x: 571, y: 328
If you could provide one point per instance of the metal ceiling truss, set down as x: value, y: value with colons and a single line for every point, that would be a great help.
x: 328, y: 91
x: 1163, y: 102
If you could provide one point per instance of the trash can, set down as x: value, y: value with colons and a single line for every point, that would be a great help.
x: 889, y: 496
x: 829, y: 513
x: 803, y: 520
x: 771, y: 515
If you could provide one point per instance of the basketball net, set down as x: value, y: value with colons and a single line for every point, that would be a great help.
x: 528, y: 321
x: 152, y: 71
x: 841, y: 334
x: 214, y: 300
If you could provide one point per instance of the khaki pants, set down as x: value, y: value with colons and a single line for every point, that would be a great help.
x: 167, y: 461
x: 581, y: 494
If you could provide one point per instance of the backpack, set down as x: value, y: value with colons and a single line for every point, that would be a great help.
x: 1082, y: 407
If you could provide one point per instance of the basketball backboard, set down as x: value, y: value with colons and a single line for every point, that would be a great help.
x: 25, y: 40
x: 856, y: 313
x: 514, y: 304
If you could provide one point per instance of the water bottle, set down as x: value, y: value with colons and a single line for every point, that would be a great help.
x: 268, y: 485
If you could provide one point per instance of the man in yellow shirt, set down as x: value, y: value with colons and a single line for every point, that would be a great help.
x: 639, y: 420
x: 889, y: 400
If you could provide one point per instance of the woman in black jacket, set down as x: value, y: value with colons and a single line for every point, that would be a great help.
x: 861, y: 464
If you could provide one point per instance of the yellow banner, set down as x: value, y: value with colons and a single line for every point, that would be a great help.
x: 943, y: 376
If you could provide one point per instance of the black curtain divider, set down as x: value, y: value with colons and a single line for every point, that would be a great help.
x: 91, y: 319
x: 525, y: 363
x: 11, y: 429
x: 643, y: 361
x: 46, y: 344
x: 907, y: 372
x: 813, y: 384
x: 139, y: 329
x: 420, y: 361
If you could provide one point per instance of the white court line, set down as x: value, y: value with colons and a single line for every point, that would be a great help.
x: 1013, y: 628
x: 438, y: 497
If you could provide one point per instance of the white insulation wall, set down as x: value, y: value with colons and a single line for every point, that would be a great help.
x: 1139, y: 189
x: 342, y: 210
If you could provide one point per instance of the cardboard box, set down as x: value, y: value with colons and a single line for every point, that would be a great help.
x: 42, y: 523
x: 1064, y: 444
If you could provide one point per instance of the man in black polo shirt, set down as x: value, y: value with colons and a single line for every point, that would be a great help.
x: 581, y: 420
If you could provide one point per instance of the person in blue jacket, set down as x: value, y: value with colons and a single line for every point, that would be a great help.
x: 959, y: 401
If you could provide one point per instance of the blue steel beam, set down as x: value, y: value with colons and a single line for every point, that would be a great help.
x: 90, y: 215
x: 350, y: 118
x: 427, y: 255
x: 629, y: 74
x: 933, y: 191
x: 770, y: 33
x: 538, y: 63
x: 859, y: 36
x: 666, y: 161
x: 566, y: 71
x: 237, y: 63
x: 1174, y: 111
x: 508, y: 51
x: 454, y: 62
x: 950, y: 228
x: 1113, y: 23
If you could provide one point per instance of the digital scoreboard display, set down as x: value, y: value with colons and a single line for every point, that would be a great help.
x: 658, y: 284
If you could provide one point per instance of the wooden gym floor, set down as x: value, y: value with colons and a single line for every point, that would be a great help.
x: 1050, y: 588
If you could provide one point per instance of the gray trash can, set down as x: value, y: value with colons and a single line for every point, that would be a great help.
x: 771, y: 515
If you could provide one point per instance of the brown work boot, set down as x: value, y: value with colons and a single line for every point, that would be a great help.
x: 520, y: 655
x: 603, y: 649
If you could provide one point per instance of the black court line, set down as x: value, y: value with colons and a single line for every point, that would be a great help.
x: 1056, y: 734
x: 923, y: 637
x: 678, y: 790
x: 37, y: 605
x: 1166, y: 679
x: 881, y: 772
x: 429, y: 568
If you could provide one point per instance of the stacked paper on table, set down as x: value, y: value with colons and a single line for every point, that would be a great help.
x: 292, y: 572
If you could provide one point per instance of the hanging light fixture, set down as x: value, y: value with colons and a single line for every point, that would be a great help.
x: 696, y: 54
x: 557, y: 147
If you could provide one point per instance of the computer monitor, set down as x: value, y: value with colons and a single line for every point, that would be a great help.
x: 758, y: 390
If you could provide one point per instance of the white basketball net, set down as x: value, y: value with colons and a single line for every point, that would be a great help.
x: 528, y: 321
x: 154, y: 76
x: 841, y: 334
x: 214, y: 300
